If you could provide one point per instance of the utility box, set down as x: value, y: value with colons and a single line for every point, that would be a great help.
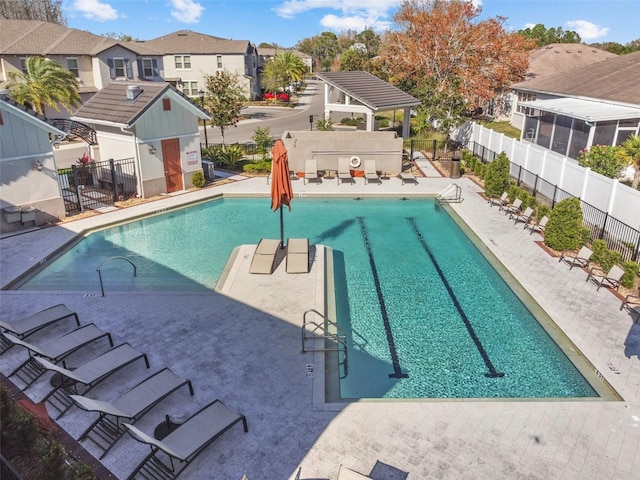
x: 12, y: 214
x: 209, y: 169
x: 28, y: 214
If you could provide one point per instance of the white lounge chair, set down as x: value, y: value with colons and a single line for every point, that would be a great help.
x: 572, y: 259
x: 82, y: 379
x: 522, y: 217
x: 264, y: 258
x: 54, y: 350
x: 513, y: 208
x: 344, y: 171
x: 131, y: 406
x: 370, y: 174
x: 610, y: 279
x: 537, y: 226
x: 500, y: 201
x: 311, y: 171
x: 298, y: 255
x: 186, y: 442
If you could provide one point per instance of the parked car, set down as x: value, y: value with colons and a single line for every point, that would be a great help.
x: 282, y: 96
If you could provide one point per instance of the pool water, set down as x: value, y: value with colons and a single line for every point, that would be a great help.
x: 425, y: 313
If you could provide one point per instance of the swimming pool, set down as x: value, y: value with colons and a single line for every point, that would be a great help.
x: 426, y: 314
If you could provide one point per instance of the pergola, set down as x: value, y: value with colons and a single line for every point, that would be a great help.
x: 363, y: 93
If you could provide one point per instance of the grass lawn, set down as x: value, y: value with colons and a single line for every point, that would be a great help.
x: 501, y: 127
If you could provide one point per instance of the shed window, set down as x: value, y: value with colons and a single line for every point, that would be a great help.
x: 166, y: 104
x: 1, y: 122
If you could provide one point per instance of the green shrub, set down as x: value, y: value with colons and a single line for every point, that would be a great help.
x: 263, y: 141
x: 496, y: 179
x: 481, y: 170
x: 564, y: 229
x: 630, y: 272
x: 198, y: 179
x: 324, y: 125
x: 611, y: 258
x: 514, y: 192
x: 261, y: 166
x: 231, y: 157
x: 599, y: 248
x: 542, y: 210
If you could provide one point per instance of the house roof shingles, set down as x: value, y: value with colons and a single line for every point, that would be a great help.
x: 369, y: 90
x: 189, y: 42
x: 562, y: 57
x: 614, y: 80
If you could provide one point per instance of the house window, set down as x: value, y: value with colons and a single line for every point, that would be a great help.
x: 190, y: 89
x: 147, y: 68
x: 525, y: 97
x: 118, y: 67
x: 23, y: 65
x: 219, y: 58
x: 183, y: 61
x: 72, y: 66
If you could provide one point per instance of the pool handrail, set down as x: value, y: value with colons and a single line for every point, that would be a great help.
x: 99, y: 269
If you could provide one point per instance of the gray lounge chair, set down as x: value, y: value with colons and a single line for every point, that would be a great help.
x: 370, y: 174
x: 298, y: 255
x: 345, y: 473
x: 55, y: 350
x: 408, y: 177
x: 264, y: 257
x: 344, y: 171
x: 87, y: 376
x: 185, y: 442
x: 311, y: 171
x: 572, y: 259
x: 513, y: 208
x: 610, y: 279
x: 26, y: 326
x: 133, y: 405
x: 522, y: 217
x: 537, y: 226
x: 501, y: 201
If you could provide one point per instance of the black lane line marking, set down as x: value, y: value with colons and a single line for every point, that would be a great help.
x: 493, y: 373
x: 397, y: 371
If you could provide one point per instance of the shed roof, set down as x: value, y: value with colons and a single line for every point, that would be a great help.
x: 615, y: 80
x: 9, y: 104
x: 189, y: 42
x: 112, y: 107
x: 369, y: 90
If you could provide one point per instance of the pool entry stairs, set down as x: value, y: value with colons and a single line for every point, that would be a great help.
x: 333, y: 337
x: 451, y: 194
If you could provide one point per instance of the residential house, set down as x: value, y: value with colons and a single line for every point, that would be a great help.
x: 95, y: 60
x: 30, y: 191
x: 153, y: 123
x: 588, y: 105
x: 267, y: 54
x: 190, y: 56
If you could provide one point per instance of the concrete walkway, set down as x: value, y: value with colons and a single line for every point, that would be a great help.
x: 242, y: 345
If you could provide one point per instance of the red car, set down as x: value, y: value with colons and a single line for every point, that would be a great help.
x: 282, y: 96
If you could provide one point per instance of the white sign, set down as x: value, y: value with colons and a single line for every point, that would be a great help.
x: 192, y: 158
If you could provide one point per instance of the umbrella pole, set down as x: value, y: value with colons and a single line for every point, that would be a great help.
x: 281, y: 229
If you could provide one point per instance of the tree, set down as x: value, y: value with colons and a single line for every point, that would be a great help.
x: 496, y: 178
x: 629, y: 153
x: 323, y: 49
x: 45, y: 83
x: 618, y: 48
x: 543, y: 36
x: 224, y: 101
x: 452, y: 62
x: 43, y: 10
x: 354, y: 60
x: 564, y: 230
x: 274, y: 78
x: 291, y: 65
x: 602, y: 159
x: 370, y: 39
x: 120, y: 37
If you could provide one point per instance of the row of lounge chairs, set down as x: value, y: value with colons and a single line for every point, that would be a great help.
x: 343, y: 173
x: 170, y: 455
x: 515, y: 212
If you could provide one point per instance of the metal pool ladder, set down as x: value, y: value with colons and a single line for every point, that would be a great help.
x: 99, y: 270
x: 334, y: 338
x: 451, y: 194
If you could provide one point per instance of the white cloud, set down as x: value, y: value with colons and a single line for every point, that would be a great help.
x: 356, y: 23
x: 587, y: 30
x: 95, y: 10
x: 186, y: 11
x: 529, y: 25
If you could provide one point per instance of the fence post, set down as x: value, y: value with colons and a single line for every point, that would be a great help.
x: 112, y: 169
x: 604, y: 225
x: 76, y: 182
x: 553, y: 200
x: 435, y: 144
x: 411, y: 150
x: 535, y: 185
x: 634, y: 255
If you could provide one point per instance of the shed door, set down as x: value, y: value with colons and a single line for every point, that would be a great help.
x: 172, y: 164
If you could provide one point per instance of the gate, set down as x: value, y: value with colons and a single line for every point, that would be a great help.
x: 97, y: 184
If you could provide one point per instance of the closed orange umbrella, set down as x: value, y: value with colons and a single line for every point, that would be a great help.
x: 281, y: 191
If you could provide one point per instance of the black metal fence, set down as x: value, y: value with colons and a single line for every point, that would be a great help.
x: 251, y: 150
x: 618, y: 235
x: 6, y: 470
x: 97, y: 185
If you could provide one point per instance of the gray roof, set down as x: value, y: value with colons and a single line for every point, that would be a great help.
x: 111, y: 106
x: 29, y: 112
x: 562, y: 57
x: 369, y: 90
x: 28, y: 37
x: 614, y: 80
x: 271, y: 52
x: 187, y: 41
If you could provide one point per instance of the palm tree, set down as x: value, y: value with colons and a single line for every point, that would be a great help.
x: 630, y: 153
x: 45, y: 83
x: 291, y: 65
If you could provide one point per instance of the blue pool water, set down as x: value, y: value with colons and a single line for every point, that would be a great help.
x: 425, y: 313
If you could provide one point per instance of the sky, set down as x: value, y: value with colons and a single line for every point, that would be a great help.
x: 286, y: 22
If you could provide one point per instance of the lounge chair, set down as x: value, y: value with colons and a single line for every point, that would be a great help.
x: 537, y: 226
x: 522, y: 217
x: 572, y: 259
x: 264, y: 257
x: 345, y: 473
x: 186, y: 442
x: 408, y: 177
x: 610, y: 279
x: 500, y: 201
x: 82, y: 379
x: 344, y: 171
x: 298, y: 255
x: 513, y: 208
x: 55, y: 350
x: 133, y: 405
x: 370, y: 172
x: 311, y: 171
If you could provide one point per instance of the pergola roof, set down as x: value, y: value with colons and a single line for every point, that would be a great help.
x: 369, y: 90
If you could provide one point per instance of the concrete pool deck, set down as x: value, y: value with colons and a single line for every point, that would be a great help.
x: 243, y: 346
